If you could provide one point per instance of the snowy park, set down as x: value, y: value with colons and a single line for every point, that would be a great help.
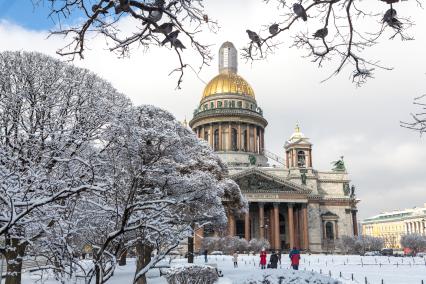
x: 314, y: 269
x: 126, y: 156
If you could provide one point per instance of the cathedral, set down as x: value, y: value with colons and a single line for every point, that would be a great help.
x: 289, y: 205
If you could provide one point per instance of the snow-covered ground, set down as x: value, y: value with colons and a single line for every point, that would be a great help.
x: 392, y: 270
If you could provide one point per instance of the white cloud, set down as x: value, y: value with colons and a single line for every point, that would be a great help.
x: 385, y: 161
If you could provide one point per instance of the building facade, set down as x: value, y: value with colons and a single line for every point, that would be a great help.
x: 390, y: 226
x: 290, y: 205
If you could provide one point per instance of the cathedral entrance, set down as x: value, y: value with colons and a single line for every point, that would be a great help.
x: 283, y: 224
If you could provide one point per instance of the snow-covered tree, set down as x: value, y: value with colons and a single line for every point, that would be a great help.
x: 256, y: 245
x: 164, y: 182
x: 415, y: 242
x: 360, y: 244
x: 51, y: 117
x: 226, y: 244
x: 82, y: 167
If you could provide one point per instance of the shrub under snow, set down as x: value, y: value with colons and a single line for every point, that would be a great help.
x: 289, y: 276
x: 192, y: 274
x: 231, y: 244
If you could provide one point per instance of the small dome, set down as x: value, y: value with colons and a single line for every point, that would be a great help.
x: 297, y: 134
x: 227, y: 44
x: 230, y: 84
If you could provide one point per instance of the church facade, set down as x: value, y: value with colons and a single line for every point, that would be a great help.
x: 289, y: 205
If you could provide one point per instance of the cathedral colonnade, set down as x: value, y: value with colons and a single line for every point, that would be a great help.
x: 284, y: 225
x: 233, y: 136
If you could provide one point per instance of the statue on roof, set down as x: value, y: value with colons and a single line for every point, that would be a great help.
x: 353, y: 191
x: 252, y: 160
x: 303, y: 176
x: 339, y: 165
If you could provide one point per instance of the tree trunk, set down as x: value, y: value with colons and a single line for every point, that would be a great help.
x: 143, y: 258
x: 14, y: 255
x: 98, y: 274
x: 191, y: 249
x: 122, y: 260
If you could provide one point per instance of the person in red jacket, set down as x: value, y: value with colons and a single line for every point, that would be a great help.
x: 263, y: 259
x: 295, y: 257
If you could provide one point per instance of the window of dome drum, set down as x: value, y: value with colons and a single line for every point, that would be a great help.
x: 301, y: 158
x: 216, y: 140
x: 234, y: 136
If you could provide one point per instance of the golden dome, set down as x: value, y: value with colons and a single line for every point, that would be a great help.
x: 228, y: 83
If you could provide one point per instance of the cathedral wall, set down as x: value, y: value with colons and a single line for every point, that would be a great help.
x: 344, y: 223
x: 334, y: 189
x: 314, y: 227
x: 312, y: 184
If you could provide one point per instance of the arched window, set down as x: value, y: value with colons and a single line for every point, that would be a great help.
x: 245, y: 140
x: 226, y: 103
x: 329, y: 231
x: 234, y: 135
x: 211, y: 104
x: 219, y: 104
x: 301, y: 159
x: 239, y: 104
x: 216, y: 140
x: 206, y: 136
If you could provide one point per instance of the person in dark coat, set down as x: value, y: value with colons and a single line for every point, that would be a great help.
x: 205, y: 255
x: 295, y: 258
x: 273, y: 260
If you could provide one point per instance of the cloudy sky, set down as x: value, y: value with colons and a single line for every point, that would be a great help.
x: 385, y: 161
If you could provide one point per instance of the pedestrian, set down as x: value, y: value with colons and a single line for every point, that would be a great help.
x: 235, y: 259
x: 295, y: 258
x: 279, y: 256
x: 273, y: 260
x: 263, y: 256
x: 205, y: 255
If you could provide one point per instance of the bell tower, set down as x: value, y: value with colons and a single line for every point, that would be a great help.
x: 298, y: 151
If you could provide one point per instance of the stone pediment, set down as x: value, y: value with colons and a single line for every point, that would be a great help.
x: 329, y: 216
x: 256, y: 180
